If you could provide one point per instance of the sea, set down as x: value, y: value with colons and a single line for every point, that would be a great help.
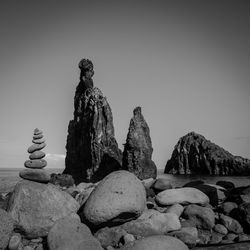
x: 10, y: 176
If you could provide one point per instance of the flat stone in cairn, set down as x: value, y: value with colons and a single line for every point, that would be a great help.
x: 38, y: 175
x: 35, y: 147
x: 37, y: 131
x: 35, y: 165
x: 38, y: 141
x: 37, y: 155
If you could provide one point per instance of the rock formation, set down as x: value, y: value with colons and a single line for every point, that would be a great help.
x: 194, y: 154
x: 35, y: 165
x: 138, y: 148
x: 92, y: 151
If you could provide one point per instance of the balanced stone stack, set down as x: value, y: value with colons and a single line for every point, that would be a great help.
x: 35, y: 165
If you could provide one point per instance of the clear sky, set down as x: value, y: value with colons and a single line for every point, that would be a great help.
x: 186, y: 63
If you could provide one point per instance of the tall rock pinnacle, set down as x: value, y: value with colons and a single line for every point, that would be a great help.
x: 91, y: 150
x: 138, y: 148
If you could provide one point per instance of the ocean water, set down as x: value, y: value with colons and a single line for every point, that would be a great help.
x: 10, y: 176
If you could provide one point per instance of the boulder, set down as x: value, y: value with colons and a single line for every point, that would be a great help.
x: 185, y: 195
x: 110, y: 236
x: 69, y: 233
x: 157, y: 242
x: 35, y: 207
x: 194, y: 154
x: 38, y: 175
x: 211, y: 192
x: 91, y: 150
x: 219, y: 228
x: 226, y: 184
x: 137, y: 154
x: 119, y: 197
x: 188, y: 235
x: 216, y: 238
x: 152, y: 223
x: 62, y: 180
x: 176, y: 209
x: 243, y: 215
x: 6, y: 228
x: 228, y: 207
x: 203, y: 217
x: 231, y: 224
x: 162, y: 184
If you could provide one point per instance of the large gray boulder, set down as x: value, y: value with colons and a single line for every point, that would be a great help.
x: 201, y: 217
x: 152, y: 222
x: 119, y: 197
x: 69, y: 233
x: 157, y: 242
x: 35, y: 207
x: 186, y: 195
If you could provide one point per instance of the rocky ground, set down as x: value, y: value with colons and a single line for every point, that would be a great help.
x: 123, y: 212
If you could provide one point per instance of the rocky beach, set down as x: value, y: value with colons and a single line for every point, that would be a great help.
x: 111, y: 199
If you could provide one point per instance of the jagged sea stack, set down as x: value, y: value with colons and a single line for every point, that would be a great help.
x: 91, y: 150
x: 34, y: 166
x: 138, y: 148
x: 194, y: 154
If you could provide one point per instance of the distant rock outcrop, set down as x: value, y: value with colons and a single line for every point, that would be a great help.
x: 138, y: 148
x: 92, y: 151
x: 194, y: 154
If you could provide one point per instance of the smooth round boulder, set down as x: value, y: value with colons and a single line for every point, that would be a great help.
x: 162, y: 184
x: 35, y: 147
x: 69, y: 233
x: 6, y: 228
x: 157, y: 242
x: 202, y: 217
x: 38, y: 175
x: 184, y: 196
x: 35, y: 207
x: 35, y: 164
x: 119, y: 197
x: 37, y: 155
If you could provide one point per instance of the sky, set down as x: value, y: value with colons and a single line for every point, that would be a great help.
x: 186, y: 63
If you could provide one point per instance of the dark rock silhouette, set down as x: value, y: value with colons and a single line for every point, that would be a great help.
x: 91, y: 150
x: 138, y: 148
x: 194, y: 154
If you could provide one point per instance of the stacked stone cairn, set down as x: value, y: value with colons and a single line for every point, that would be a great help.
x: 35, y: 165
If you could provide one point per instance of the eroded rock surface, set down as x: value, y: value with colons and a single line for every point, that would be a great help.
x: 92, y: 151
x: 138, y: 148
x: 194, y: 154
